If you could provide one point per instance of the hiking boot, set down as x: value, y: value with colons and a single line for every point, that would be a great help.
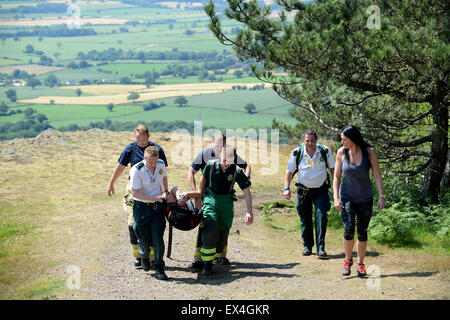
x: 223, y: 261
x: 196, y: 265
x: 160, y: 274
x: 321, y: 254
x: 207, y: 269
x: 361, y: 269
x: 346, y: 267
x: 137, y: 262
x: 307, y: 252
x: 146, y: 264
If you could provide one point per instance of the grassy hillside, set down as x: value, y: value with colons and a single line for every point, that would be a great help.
x: 54, y: 208
x: 55, y: 213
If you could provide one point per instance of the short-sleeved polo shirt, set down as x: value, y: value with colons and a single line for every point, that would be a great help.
x: 128, y: 156
x: 142, y: 179
x: 312, y: 172
x: 208, y: 154
x: 222, y: 179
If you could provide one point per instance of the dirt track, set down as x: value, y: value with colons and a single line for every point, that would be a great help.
x: 254, y: 273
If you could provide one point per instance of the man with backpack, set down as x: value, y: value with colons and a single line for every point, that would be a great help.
x: 311, y: 160
x: 216, y: 186
x: 132, y: 154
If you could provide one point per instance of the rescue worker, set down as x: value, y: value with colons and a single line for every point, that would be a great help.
x: 199, y: 163
x: 146, y: 182
x: 216, y: 186
x: 132, y: 154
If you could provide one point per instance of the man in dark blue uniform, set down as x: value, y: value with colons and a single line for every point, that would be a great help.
x: 132, y: 154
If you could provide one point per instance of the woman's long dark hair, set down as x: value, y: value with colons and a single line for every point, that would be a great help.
x: 355, y: 135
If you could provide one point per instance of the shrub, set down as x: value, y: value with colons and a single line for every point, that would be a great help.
x: 396, y: 227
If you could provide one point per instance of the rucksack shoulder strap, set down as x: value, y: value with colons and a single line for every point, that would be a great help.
x: 324, y: 152
x: 213, y: 167
x: 298, y: 153
x: 133, y: 152
x: 234, y: 178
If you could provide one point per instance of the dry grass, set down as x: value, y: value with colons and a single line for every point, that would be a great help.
x: 55, y: 188
x: 118, y: 94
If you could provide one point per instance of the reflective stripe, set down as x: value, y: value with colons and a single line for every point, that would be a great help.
x: 208, y: 254
x: 208, y: 251
x: 208, y: 258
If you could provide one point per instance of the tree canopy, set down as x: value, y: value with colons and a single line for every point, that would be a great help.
x: 329, y: 60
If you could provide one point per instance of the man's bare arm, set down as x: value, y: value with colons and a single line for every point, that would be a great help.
x: 248, y: 170
x: 115, y: 175
x: 191, y: 178
x: 137, y: 193
x: 248, y: 201
x: 202, y: 185
x: 193, y: 195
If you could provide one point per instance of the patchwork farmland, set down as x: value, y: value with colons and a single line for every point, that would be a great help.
x: 69, y: 75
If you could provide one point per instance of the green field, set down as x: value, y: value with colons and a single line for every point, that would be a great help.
x: 222, y: 110
x: 28, y: 93
x: 135, y: 68
x: 159, y: 30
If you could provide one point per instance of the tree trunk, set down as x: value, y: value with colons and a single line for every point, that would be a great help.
x: 439, y: 148
x: 446, y: 177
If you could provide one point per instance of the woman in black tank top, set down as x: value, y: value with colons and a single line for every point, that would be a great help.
x: 354, y: 197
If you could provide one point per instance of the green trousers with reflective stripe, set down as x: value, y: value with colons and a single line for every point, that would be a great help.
x: 218, y: 213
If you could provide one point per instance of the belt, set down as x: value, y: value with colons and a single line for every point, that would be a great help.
x: 149, y: 204
x: 302, y: 187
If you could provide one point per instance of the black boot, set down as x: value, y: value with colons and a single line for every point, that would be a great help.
x: 160, y: 274
x: 137, y: 262
x: 196, y: 265
x: 207, y: 269
x: 146, y: 264
x: 223, y: 261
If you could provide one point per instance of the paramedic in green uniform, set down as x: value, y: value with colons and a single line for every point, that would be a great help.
x: 216, y: 185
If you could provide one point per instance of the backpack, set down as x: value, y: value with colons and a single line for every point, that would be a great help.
x: 181, y: 218
x: 298, y: 154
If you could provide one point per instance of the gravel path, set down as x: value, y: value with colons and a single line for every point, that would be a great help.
x: 253, y: 274
x: 247, y: 271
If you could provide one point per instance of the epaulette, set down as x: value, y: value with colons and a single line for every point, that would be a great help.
x: 140, y: 165
x: 161, y: 161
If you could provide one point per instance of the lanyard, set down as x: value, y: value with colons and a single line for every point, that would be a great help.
x: 152, y: 179
x: 307, y: 159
